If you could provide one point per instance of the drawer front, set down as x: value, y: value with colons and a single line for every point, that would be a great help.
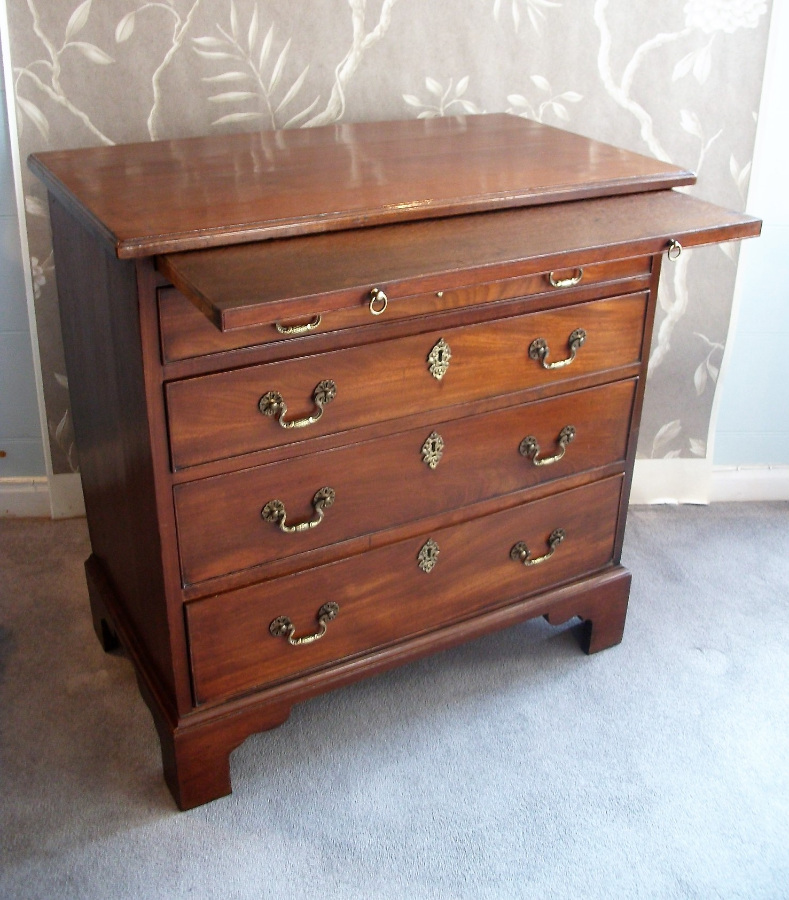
x: 389, y: 594
x: 221, y: 525
x: 187, y: 332
x: 217, y: 416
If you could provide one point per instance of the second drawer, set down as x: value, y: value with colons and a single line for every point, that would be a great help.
x: 233, y: 522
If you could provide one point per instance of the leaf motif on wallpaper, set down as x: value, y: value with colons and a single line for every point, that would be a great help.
x: 62, y: 434
x: 706, y: 370
x: 35, y: 206
x: 256, y: 71
x: 741, y: 176
x: 125, y: 28
x: 554, y: 103
x: 445, y: 101
x: 35, y: 115
x: 39, y: 271
x: 665, y: 436
x: 697, y: 447
x: 78, y: 19
x: 535, y: 11
x: 48, y: 85
x: 698, y: 61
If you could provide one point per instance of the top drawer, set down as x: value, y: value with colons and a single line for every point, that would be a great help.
x: 259, y: 407
x: 187, y: 333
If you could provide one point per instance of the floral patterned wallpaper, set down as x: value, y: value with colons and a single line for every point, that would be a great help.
x: 678, y: 79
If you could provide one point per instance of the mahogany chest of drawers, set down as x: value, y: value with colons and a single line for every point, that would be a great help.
x: 348, y: 396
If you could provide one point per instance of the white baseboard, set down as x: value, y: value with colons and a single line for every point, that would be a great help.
x: 65, y: 496
x: 698, y: 481
x: 749, y: 483
x: 26, y: 498
x: 58, y: 497
x: 671, y: 481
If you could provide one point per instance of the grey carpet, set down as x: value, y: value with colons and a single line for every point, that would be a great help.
x: 511, y: 767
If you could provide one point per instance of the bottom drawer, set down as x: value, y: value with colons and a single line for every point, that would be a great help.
x: 398, y: 591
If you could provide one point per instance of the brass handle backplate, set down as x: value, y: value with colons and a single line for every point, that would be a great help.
x: 566, y: 282
x: 298, y: 329
x: 530, y: 448
x: 521, y: 553
x: 273, y: 404
x: 283, y: 627
x: 274, y: 511
x: 539, y: 349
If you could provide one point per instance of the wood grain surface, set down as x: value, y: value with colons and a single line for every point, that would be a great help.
x: 149, y: 198
x: 220, y: 528
x: 385, y: 597
x: 255, y: 284
x: 217, y: 416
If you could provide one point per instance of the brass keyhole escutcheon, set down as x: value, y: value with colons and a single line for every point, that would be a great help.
x: 432, y: 450
x: 428, y: 555
x: 438, y: 359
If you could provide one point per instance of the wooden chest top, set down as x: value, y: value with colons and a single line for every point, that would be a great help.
x: 169, y: 196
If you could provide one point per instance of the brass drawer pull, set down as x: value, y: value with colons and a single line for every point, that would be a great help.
x: 539, y: 349
x: 274, y: 511
x: 298, y: 329
x: 530, y: 448
x: 674, y: 250
x: 521, y: 553
x: 273, y: 404
x: 283, y: 627
x: 566, y: 282
x: 378, y: 301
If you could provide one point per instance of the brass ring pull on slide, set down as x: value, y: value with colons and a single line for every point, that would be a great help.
x: 283, y: 627
x: 539, y: 349
x: 566, y: 282
x: 378, y: 301
x: 521, y: 553
x: 674, y: 250
x: 298, y: 329
x: 273, y: 404
x: 274, y: 511
x: 530, y: 448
